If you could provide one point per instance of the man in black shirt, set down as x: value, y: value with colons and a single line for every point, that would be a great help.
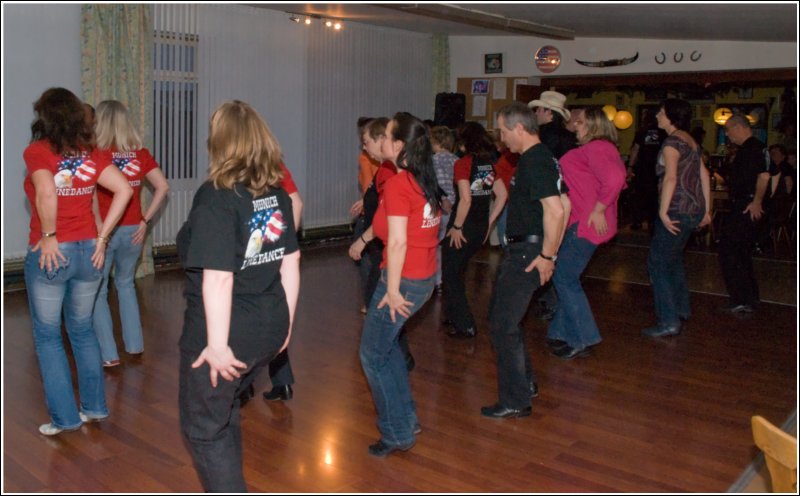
x: 537, y: 214
x: 551, y: 116
x: 747, y: 178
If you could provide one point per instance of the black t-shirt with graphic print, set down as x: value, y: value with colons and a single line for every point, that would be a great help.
x: 537, y: 176
x: 229, y: 230
x: 480, y: 175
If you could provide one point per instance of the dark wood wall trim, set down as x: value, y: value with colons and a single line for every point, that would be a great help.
x: 765, y: 77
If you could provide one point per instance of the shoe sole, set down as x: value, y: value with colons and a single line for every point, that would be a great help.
x: 581, y: 354
x: 398, y: 448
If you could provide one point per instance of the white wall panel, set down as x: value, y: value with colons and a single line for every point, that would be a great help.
x: 41, y: 49
x: 359, y: 71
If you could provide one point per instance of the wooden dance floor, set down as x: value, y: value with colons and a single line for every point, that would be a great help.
x: 638, y: 415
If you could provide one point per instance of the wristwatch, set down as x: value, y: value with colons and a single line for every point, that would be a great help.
x: 552, y: 259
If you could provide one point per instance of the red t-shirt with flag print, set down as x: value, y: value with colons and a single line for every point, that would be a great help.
x: 75, y: 176
x: 402, y: 197
x: 287, y: 183
x: 134, y: 166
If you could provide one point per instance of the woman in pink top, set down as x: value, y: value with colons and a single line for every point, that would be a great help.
x: 595, y: 175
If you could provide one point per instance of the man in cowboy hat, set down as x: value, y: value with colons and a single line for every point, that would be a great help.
x: 551, y: 116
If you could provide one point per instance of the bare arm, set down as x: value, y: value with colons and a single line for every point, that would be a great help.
x: 553, y: 222
x: 113, y: 180
x: 668, y: 185
x: 217, y: 301
x: 47, y: 208
x: 634, y: 155
x: 297, y: 209
x: 500, y: 199
x: 290, y: 278
x: 755, y: 207
x: 464, y: 202
x: 161, y: 188
x: 358, y: 245
x: 396, y: 247
x: 705, y: 182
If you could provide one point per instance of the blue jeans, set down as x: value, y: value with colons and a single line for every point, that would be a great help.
x: 71, y: 288
x: 573, y: 321
x: 502, y: 221
x: 384, y: 363
x: 124, y: 255
x: 667, y: 272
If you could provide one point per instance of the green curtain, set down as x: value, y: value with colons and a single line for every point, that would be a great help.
x: 117, y: 64
x: 441, y: 64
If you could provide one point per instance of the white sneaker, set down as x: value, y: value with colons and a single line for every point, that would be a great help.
x: 87, y: 419
x: 49, y: 429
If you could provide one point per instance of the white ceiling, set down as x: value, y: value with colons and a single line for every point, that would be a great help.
x: 693, y: 21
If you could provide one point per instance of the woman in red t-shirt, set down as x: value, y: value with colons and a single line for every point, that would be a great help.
x: 117, y: 135
x: 407, y: 220
x: 65, y: 254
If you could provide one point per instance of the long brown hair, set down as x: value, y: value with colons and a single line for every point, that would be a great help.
x: 242, y: 149
x: 61, y: 119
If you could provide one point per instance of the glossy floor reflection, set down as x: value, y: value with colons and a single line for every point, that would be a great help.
x: 639, y: 415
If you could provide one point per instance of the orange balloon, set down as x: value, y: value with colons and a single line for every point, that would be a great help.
x: 623, y: 119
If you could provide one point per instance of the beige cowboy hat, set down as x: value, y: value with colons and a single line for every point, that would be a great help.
x: 552, y: 100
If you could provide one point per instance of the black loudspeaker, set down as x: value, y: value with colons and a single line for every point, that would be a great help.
x: 450, y: 109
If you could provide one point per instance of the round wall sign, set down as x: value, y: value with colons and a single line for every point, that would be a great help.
x: 547, y: 58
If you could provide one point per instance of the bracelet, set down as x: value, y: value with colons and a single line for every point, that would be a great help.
x: 104, y: 239
x: 147, y: 222
x: 362, y: 239
x: 48, y: 235
x: 457, y: 228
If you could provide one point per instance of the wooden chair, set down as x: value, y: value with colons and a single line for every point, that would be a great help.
x: 780, y: 451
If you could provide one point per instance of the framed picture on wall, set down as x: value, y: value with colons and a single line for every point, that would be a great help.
x: 480, y: 86
x: 493, y: 63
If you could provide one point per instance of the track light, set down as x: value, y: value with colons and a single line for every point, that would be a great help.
x: 308, y: 19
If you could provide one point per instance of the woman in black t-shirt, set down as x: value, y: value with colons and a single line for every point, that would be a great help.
x: 239, y: 250
x: 469, y: 223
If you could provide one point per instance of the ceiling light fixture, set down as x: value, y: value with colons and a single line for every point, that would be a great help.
x: 294, y: 18
x: 307, y: 21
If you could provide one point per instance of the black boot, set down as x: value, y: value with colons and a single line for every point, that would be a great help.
x: 246, y: 395
x: 279, y: 393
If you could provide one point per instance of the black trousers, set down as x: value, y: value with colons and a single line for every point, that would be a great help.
x: 280, y: 370
x: 210, y: 421
x: 512, y: 295
x: 736, y: 257
x: 454, y: 264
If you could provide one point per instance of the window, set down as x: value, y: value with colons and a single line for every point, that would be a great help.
x: 175, y: 103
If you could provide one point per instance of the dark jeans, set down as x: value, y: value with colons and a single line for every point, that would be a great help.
x: 512, y: 295
x: 736, y: 257
x: 369, y: 268
x: 454, y: 264
x: 280, y: 370
x: 384, y: 364
x: 210, y: 420
x: 667, y: 272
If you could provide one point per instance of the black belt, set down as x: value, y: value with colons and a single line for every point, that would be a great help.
x: 523, y: 239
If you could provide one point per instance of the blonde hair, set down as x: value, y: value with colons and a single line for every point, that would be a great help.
x: 114, y: 127
x: 598, y: 127
x: 242, y: 149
